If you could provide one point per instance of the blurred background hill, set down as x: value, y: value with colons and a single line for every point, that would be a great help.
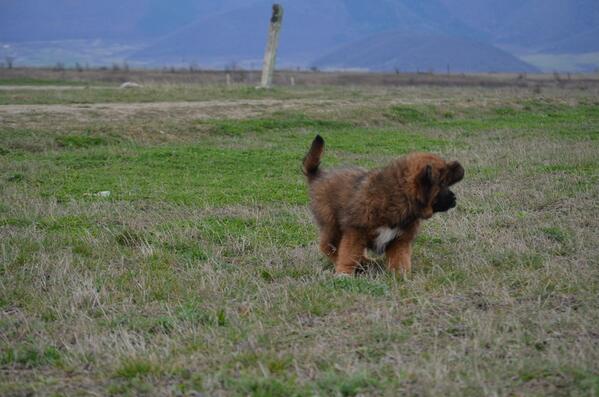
x: 381, y: 35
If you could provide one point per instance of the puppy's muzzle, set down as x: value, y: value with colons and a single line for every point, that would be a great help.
x: 444, y: 202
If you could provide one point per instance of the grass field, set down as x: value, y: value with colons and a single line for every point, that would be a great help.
x: 199, y: 273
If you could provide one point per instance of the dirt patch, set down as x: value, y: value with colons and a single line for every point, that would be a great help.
x: 49, y: 87
x: 195, y: 110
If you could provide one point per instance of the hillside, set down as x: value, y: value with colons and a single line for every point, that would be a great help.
x: 528, y: 24
x: 37, y: 20
x: 242, y: 32
x: 240, y: 36
x: 414, y: 52
x: 582, y: 43
x: 540, y: 22
x: 215, y: 34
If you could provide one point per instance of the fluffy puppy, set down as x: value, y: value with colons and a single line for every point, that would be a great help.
x: 380, y: 209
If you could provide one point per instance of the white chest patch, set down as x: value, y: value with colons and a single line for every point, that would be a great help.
x: 385, y: 235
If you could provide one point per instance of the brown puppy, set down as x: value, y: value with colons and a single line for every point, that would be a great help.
x: 379, y: 209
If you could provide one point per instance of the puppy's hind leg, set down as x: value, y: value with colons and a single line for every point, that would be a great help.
x: 329, y: 241
x: 351, y: 250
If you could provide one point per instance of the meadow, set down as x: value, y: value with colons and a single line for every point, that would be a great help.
x: 157, y: 241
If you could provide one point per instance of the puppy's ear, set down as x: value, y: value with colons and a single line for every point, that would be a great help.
x: 425, y: 182
x: 455, y: 172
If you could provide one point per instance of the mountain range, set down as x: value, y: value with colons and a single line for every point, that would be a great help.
x: 409, y: 35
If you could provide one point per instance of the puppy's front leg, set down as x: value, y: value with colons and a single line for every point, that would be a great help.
x: 399, y: 251
x: 350, y: 252
x: 399, y: 256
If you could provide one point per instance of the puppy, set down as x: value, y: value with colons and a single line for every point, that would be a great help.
x: 381, y: 209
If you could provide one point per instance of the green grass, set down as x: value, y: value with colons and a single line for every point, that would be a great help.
x: 134, y: 368
x: 201, y: 173
x: 30, y: 357
x: 200, y: 272
x: 531, y: 117
x: 79, y: 141
x: 408, y: 114
x: 285, y: 122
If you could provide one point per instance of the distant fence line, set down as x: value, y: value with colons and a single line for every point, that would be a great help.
x: 235, y: 76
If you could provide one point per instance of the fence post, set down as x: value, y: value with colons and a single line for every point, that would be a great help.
x: 270, y: 54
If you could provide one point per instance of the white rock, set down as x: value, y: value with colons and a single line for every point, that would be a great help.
x: 130, y: 84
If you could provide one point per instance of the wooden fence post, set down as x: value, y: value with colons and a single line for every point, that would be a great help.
x: 270, y: 54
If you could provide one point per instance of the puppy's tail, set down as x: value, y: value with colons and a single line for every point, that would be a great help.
x: 312, y: 159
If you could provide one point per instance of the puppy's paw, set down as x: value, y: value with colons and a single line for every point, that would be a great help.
x: 401, y: 275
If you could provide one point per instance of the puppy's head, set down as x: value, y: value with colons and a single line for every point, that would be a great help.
x: 432, y: 178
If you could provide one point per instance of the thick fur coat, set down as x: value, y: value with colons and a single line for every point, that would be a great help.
x: 380, y: 209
